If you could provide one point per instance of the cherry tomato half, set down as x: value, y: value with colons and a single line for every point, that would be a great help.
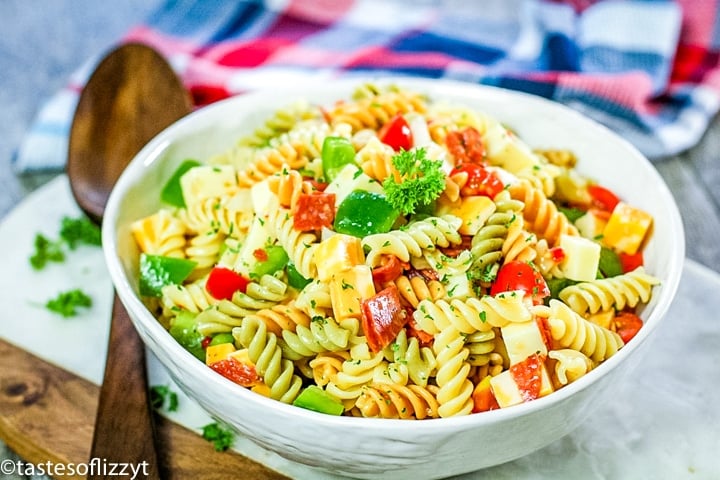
x: 480, y: 180
x: 397, y: 133
x: 603, y: 198
x: 521, y: 276
x: 628, y: 325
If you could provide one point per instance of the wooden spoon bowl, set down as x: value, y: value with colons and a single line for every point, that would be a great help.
x: 131, y: 96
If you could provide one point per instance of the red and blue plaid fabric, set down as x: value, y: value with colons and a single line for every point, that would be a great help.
x: 648, y: 69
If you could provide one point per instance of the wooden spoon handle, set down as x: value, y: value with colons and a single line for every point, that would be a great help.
x: 124, y: 430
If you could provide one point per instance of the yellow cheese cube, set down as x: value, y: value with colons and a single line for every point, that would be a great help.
x: 215, y: 353
x: 626, y: 229
x: 522, y: 339
x: 337, y: 253
x: 582, y: 257
x: 473, y: 210
x: 508, y: 393
x: 348, y: 288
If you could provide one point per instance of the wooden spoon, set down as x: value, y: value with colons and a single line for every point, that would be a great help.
x: 132, y: 95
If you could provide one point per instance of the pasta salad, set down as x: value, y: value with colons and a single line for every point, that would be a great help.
x: 392, y: 255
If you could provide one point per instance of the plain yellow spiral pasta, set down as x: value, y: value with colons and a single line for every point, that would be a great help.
x: 619, y: 292
x: 455, y: 390
x: 573, y: 331
x: 300, y: 246
x: 411, y: 241
x: 473, y: 314
x: 160, y: 234
x: 416, y: 288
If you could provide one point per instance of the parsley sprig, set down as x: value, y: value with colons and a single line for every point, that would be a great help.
x: 421, y: 181
x: 221, y: 437
x: 160, y: 394
x: 73, y: 232
x: 67, y: 303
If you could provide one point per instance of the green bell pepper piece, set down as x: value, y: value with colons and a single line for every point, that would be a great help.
x: 316, y: 399
x: 184, y: 329
x: 364, y: 213
x: 157, y: 271
x: 277, y: 258
x: 295, y: 279
x: 572, y: 213
x: 557, y: 284
x: 336, y: 153
x: 221, y: 338
x: 172, y: 191
x: 610, y: 264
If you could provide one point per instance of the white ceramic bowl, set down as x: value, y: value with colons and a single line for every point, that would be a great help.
x: 372, y: 448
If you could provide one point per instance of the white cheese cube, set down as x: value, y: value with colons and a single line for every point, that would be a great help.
x: 263, y: 200
x: 590, y: 225
x: 258, y: 237
x: 522, y: 339
x: 581, y: 260
x: 508, y: 393
x: 352, y: 178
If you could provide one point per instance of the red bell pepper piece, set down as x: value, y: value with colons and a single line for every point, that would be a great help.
x: 396, y: 133
x: 223, y: 282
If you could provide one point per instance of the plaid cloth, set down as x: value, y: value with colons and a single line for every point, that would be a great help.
x: 648, y: 69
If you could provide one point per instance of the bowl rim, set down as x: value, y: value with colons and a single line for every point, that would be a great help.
x: 157, y: 145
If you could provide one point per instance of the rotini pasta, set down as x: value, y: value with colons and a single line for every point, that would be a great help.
x: 438, y: 264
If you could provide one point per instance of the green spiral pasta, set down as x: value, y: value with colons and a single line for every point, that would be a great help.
x: 480, y: 345
x: 322, y: 335
x: 281, y: 121
x: 277, y: 372
x: 419, y: 361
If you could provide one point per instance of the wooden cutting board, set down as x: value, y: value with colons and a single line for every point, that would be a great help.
x: 47, y: 415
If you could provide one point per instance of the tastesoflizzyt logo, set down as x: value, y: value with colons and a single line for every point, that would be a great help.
x: 96, y: 466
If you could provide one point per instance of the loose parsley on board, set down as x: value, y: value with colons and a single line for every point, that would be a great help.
x: 221, y: 437
x: 73, y: 232
x: 160, y: 394
x: 66, y: 303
